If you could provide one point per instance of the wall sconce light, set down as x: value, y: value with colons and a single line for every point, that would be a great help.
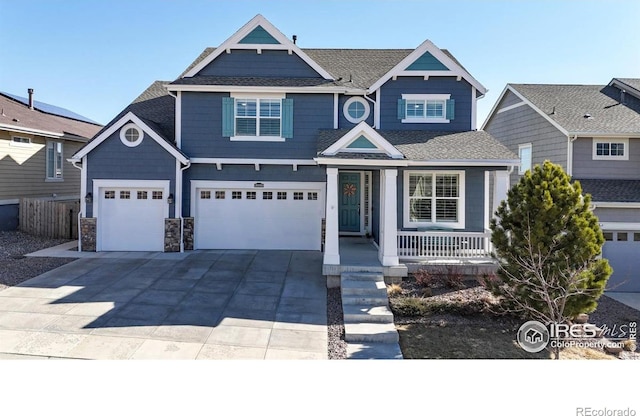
x: 170, y: 199
x: 88, y: 198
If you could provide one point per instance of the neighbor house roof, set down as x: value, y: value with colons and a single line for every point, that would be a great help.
x: 582, y: 109
x: 15, y: 115
x: 428, y: 145
x: 611, y: 190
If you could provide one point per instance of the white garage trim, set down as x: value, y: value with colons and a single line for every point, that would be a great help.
x: 620, y: 226
x: 99, y: 184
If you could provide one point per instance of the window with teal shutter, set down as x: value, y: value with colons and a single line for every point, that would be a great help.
x: 451, y: 109
x: 228, y: 122
x: 402, y: 109
x: 287, y: 118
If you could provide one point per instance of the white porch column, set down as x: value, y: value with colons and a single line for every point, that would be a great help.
x: 331, y: 241
x: 389, y: 218
x: 500, y: 187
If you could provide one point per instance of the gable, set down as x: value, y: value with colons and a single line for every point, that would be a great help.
x: 361, y: 143
x: 427, y: 62
x: 268, y: 63
x: 259, y: 36
x: 363, y: 139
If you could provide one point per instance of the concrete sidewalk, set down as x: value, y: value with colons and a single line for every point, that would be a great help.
x: 198, y: 305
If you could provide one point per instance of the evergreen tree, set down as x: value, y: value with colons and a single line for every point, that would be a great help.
x: 547, y: 241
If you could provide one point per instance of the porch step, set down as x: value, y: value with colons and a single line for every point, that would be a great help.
x: 374, y: 351
x: 380, y: 299
x: 367, y: 314
x: 370, y: 332
x: 362, y: 275
x: 363, y: 287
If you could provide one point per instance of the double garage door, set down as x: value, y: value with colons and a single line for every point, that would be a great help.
x: 130, y: 217
x: 242, y: 215
x: 622, y: 249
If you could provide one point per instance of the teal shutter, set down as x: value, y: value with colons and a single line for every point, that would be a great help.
x: 451, y: 109
x: 287, y: 118
x: 402, y: 109
x: 228, y: 129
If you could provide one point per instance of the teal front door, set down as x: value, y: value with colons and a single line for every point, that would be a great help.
x: 349, y: 205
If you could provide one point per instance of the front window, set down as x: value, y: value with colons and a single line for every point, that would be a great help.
x: 434, y: 198
x: 616, y: 149
x: 54, y: 160
x: 427, y: 108
x: 257, y: 117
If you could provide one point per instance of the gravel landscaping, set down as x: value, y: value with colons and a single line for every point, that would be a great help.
x: 15, y: 267
x: 335, y: 325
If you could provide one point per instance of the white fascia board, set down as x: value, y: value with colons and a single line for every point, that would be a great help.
x: 373, y: 136
x: 233, y: 43
x: 600, y: 135
x: 232, y: 161
x: 360, y: 162
x: 620, y: 226
x: 129, y: 117
x: 253, y: 89
x: 465, y: 162
x: 615, y: 204
x: 404, y: 162
x: 428, y: 46
x: 20, y: 129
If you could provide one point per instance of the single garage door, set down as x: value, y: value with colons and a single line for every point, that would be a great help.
x: 622, y: 249
x: 132, y: 218
x: 272, y: 217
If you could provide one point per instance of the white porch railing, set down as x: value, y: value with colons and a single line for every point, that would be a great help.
x: 420, y: 245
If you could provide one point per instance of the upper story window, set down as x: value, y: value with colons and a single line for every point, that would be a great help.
x: 426, y: 108
x: 524, y: 152
x: 257, y: 118
x: 131, y: 135
x: 54, y: 160
x: 434, y: 199
x: 356, y: 109
x: 610, y: 149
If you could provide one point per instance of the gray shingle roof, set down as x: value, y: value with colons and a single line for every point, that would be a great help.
x: 426, y: 145
x: 611, y: 190
x: 254, y: 81
x: 569, y: 104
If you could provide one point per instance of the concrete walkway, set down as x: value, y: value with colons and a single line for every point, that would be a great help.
x: 198, y: 305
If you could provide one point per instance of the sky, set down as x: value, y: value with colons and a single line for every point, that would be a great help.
x: 94, y: 57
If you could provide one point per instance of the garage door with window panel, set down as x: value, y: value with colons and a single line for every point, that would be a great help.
x: 277, y: 217
x: 622, y: 249
x: 131, y: 218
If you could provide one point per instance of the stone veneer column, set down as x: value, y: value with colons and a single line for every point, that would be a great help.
x: 88, y: 234
x: 187, y: 233
x: 172, y: 234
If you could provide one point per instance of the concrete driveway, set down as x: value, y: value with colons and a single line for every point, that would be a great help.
x: 198, y: 305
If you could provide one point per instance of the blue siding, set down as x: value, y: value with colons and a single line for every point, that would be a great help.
x: 474, y: 197
x: 9, y: 217
x: 113, y: 160
x: 246, y: 63
x: 343, y: 123
x: 202, y: 131
x: 267, y: 173
x: 392, y: 91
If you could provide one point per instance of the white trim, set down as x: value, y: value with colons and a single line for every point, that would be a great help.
x: 123, y: 137
x: 20, y: 144
x: 511, y: 107
x: 620, y: 226
x: 361, y: 100
x: 248, y: 89
x: 9, y: 201
x: 336, y: 104
x: 376, y: 109
x: 427, y: 46
x: 20, y: 129
x: 487, y: 214
x: 233, y: 43
x: 129, y: 117
x: 388, y: 252
x: 83, y: 188
x: 331, y: 238
x: 632, y: 135
x: 404, y: 162
x: 460, y: 224
x: 257, y: 97
x: 570, y: 154
x: 521, y: 170
x: 425, y: 98
x: 256, y: 162
x: 373, y: 136
x: 474, y: 108
x: 596, y: 140
x: 257, y: 139
x: 213, y: 184
x: 631, y: 205
x: 179, y: 120
x: 177, y: 198
x: 46, y: 164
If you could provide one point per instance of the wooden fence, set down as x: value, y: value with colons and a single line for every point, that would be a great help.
x: 51, y: 219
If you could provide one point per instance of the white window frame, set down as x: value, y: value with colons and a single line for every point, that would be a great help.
x: 460, y: 224
x: 123, y: 137
x: 624, y: 141
x: 56, y: 161
x: 257, y: 97
x: 521, y: 168
x: 20, y: 143
x: 356, y: 120
x: 425, y: 98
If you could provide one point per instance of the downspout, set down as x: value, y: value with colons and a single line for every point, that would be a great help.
x: 181, y: 213
x: 366, y: 97
x: 74, y: 163
x: 570, y: 153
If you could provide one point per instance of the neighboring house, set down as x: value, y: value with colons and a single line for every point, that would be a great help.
x: 593, y: 132
x: 35, y: 139
x: 260, y: 144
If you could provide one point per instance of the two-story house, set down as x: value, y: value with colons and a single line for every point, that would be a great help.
x: 593, y: 132
x: 35, y: 139
x: 260, y: 144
